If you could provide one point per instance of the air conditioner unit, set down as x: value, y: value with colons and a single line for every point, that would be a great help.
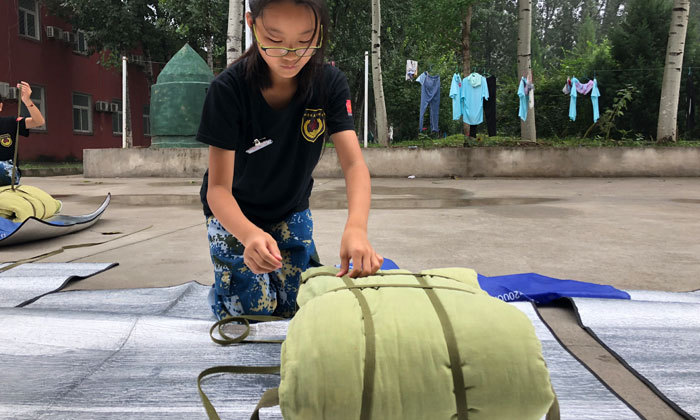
x: 102, y: 106
x: 69, y: 37
x: 51, y: 32
x: 114, y: 107
x: 13, y: 93
x: 4, y: 89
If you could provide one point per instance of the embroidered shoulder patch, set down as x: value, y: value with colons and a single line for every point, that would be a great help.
x: 5, y: 140
x: 348, y: 106
x: 313, y: 124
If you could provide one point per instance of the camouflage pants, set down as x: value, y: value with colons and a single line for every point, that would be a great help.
x: 6, y: 173
x: 238, y: 291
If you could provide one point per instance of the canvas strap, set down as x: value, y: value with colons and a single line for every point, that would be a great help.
x: 226, y: 340
x: 269, y: 399
x: 370, y: 351
x: 14, y: 160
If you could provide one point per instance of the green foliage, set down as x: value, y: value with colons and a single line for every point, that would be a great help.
x: 607, y: 119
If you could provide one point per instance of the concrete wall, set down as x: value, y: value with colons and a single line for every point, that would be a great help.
x: 424, y: 163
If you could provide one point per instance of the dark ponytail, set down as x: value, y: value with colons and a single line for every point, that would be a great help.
x: 257, y: 71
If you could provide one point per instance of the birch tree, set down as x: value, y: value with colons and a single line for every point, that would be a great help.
x: 234, y: 37
x: 527, y: 128
x: 671, y: 85
x: 379, y: 104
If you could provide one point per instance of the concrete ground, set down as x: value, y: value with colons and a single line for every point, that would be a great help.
x: 632, y: 233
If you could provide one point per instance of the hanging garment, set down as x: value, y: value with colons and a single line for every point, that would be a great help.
x: 473, y: 99
x: 430, y: 95
x: 456, y: 95
x: 411, y: 69
x: 691, y: 104
x: 530, y: 91
x: 595, y: 94
x: 572, y: 102
x: 567, y: 87
x: 584, y: 89
x: 490, y: 105
x: 522, y: 110
x: 422, y: 77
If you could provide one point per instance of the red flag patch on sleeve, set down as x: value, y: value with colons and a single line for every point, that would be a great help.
x: 348, y: 106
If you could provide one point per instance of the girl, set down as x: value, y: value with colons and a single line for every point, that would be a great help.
x: 264, y: 120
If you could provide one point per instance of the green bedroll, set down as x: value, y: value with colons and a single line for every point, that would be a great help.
x: 400, y: 345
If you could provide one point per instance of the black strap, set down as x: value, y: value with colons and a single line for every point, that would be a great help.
x: 269, y: 399
x: 453, y: 351
x: 226, y: 340
x: 370, y: 352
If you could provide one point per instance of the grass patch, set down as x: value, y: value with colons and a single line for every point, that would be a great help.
x: 51, y: 165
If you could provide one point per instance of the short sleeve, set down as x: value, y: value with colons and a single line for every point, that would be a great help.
x: 23, y: 131
x: 421, y: 78
x: 339, y: 106
x: 484, y: 88
x: 221, y: 115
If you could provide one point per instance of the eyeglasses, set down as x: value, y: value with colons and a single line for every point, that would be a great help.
x: 282, y: 51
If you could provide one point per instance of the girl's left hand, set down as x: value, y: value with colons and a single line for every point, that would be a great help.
x: 356, y: 246
x: 26, y: 91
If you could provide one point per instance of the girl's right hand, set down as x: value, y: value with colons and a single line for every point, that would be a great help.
x: 261, y: 253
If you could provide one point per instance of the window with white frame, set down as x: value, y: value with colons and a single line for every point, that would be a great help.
x: 82, y: 113
x: 80, y: 45
x: 29, y: 18
x: 147, y: 120
x: 117, y: 118
x: 38, y: 96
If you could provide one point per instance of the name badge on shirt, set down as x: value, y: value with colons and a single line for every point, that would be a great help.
x: 259, y: 144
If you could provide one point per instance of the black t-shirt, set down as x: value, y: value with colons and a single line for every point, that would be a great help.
x: 8, y: 130
x: 274, y: 181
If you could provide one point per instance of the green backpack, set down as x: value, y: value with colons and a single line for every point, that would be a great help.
x: 398, y: 345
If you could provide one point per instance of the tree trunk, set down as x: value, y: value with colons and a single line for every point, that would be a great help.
x: 671, y: 85
x: 234, y: 34
x: 527, y: 128
x: 210, y: 52
x: 466, y: 51
x: 382, y: 135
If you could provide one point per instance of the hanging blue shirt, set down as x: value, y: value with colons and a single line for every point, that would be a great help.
x: 456, y: 95
x: 522, y: 110
x: 572, y: 102
x: 421, y: 78
x: 473, y: 99
x: 595, y: 93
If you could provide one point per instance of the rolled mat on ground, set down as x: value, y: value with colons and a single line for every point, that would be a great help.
x: 25, y: 201
x: 398, y: 345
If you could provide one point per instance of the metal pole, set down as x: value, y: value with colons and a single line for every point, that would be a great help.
x: 366, y: 101
x: 123, y: 102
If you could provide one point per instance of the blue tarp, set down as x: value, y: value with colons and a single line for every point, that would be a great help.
x: 542, y: 289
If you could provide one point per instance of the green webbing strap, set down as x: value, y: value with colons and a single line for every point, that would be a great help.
x: 226, y: 340
x: 60, y: 250
x: 269, y: 399
x: 553, y: 413
x: 452, y: 350
x: 370, y: 352
x: 14, y: 160
x: 408, y: 286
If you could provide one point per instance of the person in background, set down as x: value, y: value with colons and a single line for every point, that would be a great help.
x: 8, y: 131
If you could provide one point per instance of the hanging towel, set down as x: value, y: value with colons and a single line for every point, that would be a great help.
x: 584, y: 89
x: 475, y: 79
x: 572, y: 102
x: 595, y: 94
x: 522, y: 110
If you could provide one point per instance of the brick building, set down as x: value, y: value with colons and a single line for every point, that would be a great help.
x: 80, y: 99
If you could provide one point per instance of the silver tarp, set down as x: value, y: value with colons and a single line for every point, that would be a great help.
x: 22, y: 284
x: 136, y: 354
x: 657, y: 334
x: 34, y: 229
